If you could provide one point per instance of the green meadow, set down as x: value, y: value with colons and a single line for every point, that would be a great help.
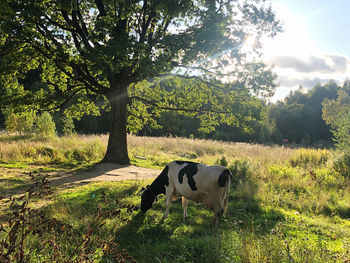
x: 285, y: 205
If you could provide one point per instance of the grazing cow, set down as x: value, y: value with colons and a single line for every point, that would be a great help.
x: 191, y: 181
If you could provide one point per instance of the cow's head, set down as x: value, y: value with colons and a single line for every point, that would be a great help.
x: 147, y: 198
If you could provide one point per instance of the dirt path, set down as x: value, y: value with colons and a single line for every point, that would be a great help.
x: 104, y: 172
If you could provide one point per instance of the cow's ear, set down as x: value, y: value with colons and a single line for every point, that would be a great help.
x: 141, y: 191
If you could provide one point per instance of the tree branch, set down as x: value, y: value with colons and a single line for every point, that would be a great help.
x: 152, y: 103
x: 63, y: 103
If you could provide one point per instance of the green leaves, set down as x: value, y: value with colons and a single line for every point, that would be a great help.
x: 86, y: 50
x: 211, y: 103
x: 336, y: 113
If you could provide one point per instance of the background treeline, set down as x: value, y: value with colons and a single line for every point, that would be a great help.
x: 298, y: 119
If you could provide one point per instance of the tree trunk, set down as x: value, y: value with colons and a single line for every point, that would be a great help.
x: 117, y: 148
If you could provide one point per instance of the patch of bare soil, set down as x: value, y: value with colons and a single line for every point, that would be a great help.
x: 104, y: 172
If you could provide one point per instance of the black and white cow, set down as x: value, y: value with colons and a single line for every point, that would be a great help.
x: 191, y: 181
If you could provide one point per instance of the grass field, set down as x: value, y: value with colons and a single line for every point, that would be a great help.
x: 286, y: 205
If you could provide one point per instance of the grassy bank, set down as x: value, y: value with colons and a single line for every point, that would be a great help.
x: 286, y: 205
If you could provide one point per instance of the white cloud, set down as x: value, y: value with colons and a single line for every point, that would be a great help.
x: 297, y: 57
x: 308, y: 71
x: 321, y: 64
x: 304, y: 81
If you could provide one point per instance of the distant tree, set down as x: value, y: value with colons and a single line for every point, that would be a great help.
x: 333, y: 109
x: 92, y: 51
x: 336, y: 113
x: 342, y: 132
x: 304, y: 120
x: 293, y: 122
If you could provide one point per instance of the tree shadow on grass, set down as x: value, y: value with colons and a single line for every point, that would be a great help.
x: 83, y: 204
x: 104, y: 172
x: 84, y: 174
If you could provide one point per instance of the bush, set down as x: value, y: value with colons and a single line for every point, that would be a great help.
x: 342, y: 165
x: 341, y: 133
x: 90, y: 152
x: 68, y: 125
x: 309, y: 157
x: 21, y: 122
x: 222, y: 161
x: 45, y: 126
x: 240, y: 171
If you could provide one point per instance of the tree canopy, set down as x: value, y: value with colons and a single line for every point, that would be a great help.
x: 135, y: 58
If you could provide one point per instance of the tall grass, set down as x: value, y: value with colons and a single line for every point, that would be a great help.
x: 75, y: 149
x: 52, y: 150
x: 207, y: 151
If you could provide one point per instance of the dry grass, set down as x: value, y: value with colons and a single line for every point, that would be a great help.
x: 207, y: 151
x: 52, y: 150
x: 157, y: 151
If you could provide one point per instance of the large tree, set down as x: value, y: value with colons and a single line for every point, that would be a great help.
x: 130, y: 54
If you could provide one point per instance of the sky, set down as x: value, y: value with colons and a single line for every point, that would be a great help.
x: 314, y: 46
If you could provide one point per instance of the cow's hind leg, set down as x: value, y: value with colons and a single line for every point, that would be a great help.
x: 184, y: 206
x: 218, y: 212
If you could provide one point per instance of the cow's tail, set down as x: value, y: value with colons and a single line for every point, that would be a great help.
x: 225, y: 182
x: 227, y: 193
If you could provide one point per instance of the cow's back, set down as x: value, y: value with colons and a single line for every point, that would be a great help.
x: 195, y: 181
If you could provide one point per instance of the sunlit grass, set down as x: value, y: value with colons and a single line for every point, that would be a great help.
x: 144, y: 151
x: 253, y: 232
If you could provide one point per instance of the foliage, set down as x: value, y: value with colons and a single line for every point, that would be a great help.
x: 211, y: 104
x: 240, y: 170
x: 222, y: 161
x: 342, y: 133
x: 332, y: 110
x: 68, y: 125
x: 299, y: 117
x: 45, y: 126
x: 91, y: 55
x: 337, y: 114
x: 21, y: 122
x: 310, y: 158
x: 342, y: 164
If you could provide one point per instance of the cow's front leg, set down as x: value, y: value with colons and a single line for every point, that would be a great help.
x: 184, y: 206
x: 168, y: 204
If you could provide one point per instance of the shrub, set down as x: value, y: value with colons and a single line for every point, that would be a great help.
x: 45, y: 126
x: 240, y: 171
x: 309, y: 157
x: 222, y: 161
x: 342, y: 165
x: 88, y: 153
x: 283, y: 172
x: 21, y: 122
x: 68, y: 125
